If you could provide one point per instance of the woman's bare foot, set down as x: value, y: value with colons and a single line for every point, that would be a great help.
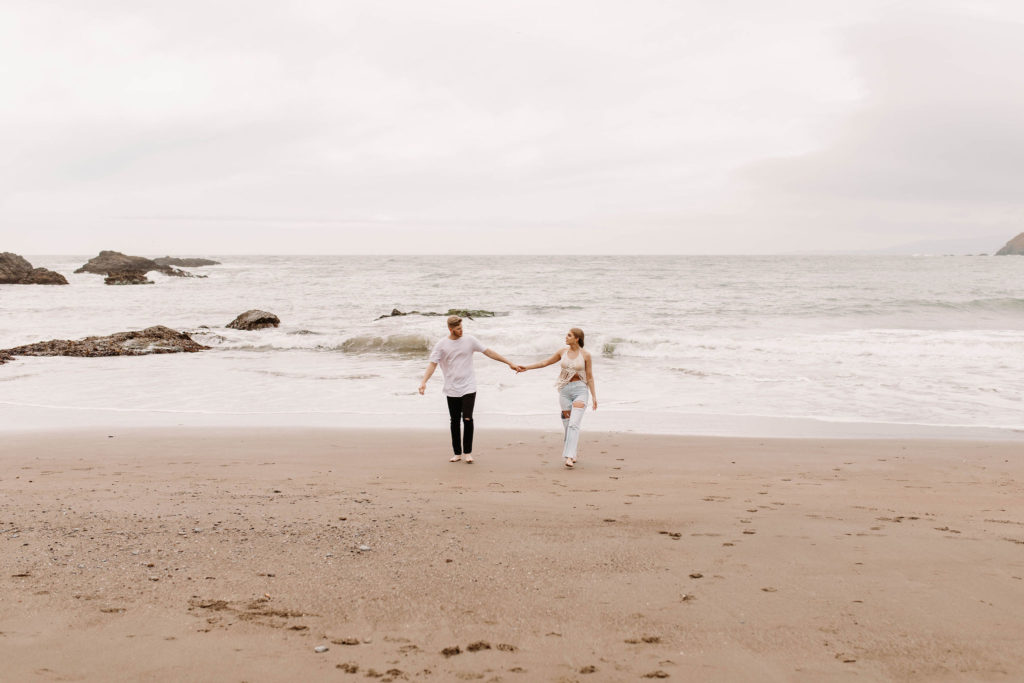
x: 570, y: 463
x: 455, y: 458
x: 469, y: 458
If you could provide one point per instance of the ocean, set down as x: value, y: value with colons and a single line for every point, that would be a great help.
x: 731, y: 345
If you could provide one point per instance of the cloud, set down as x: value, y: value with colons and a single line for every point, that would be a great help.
x: 936, y: 148
x: 360, y: 126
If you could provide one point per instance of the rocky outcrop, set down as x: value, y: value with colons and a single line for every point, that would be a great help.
x: 15, y: 270
x: 470, y: 313
x: 4, y: 357
x: 185, y: 262
x: 43, y: 276
x: 157, y: 339
x: 1014, y: 247
x: 461, y: 312
x: 127, y: 277
x: 115, y: 262
x: 254, y: 320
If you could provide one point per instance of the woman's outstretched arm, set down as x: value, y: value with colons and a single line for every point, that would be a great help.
x: 557, y: 356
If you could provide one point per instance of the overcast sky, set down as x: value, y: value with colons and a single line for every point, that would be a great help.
x: 561, y: 127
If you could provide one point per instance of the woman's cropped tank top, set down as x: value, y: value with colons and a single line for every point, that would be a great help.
x: 570, y: 368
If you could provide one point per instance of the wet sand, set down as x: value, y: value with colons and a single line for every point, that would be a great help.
x: 231, y: 555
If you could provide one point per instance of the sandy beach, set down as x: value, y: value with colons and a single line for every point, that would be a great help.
x: 232, y: 555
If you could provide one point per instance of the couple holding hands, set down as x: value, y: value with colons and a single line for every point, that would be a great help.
x: 454, y: 354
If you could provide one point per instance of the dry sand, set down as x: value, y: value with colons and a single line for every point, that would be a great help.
x: 215, y: 555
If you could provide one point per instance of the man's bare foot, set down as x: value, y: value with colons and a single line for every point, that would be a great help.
x: 455, y: 458
x: 469, y: 458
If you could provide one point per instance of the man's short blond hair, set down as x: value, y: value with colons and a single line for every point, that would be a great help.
x: 454, y: 321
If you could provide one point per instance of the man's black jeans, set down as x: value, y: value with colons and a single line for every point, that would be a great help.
x: 461, y: 411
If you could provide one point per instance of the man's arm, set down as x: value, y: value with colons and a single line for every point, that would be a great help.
x: 501, y: 359
x: 426, y: 375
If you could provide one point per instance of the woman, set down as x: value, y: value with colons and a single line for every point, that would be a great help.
x: 574, y: 381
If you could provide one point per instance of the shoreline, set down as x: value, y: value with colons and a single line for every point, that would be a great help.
x: 27, y: 418
x: 212, y: 554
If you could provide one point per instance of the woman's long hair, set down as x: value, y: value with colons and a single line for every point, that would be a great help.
x: 578, y: 333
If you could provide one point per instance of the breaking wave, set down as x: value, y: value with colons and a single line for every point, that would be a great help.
x: 402, y: 344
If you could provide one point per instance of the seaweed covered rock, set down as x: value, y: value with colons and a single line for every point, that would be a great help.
x: 127, y: 277
x: 156, y: 339
x: 461, y: 312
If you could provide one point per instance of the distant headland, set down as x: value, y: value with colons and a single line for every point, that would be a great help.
x: 1014, y: 247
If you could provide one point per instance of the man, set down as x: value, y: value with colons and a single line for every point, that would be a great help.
x: 454, y: 354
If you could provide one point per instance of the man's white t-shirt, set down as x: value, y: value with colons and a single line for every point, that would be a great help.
x: 455, y: 356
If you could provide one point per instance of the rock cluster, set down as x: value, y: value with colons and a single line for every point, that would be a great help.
x: 15, y: 270
x: 1014, y: 247
x: 254, y: 320
x: 109, y: 262
x: 157, y: 339
x: 127, y: 277
x: 461, y: 312
x: 185, y: 262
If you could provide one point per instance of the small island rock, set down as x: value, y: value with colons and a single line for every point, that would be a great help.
x: 109, y: 262
x: 15, y: 270
x: 461, y: 312
x: 156, y: 339
x: 1014, y: 247
x: 185, y: 262
x: 254, y: 320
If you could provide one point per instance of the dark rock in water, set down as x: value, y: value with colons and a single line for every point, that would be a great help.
x: 127, y: 277
x: 185, y: 262
x: 470, y: 313
x: 157, y: 339
x: 15, y: 270
x: 461, y: 312
x: 115, y: 262
x: 254, y: 320
x: 43, y: 276
x: 4, y: 357
x: 1014, y: 247
x: 396, y: 313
